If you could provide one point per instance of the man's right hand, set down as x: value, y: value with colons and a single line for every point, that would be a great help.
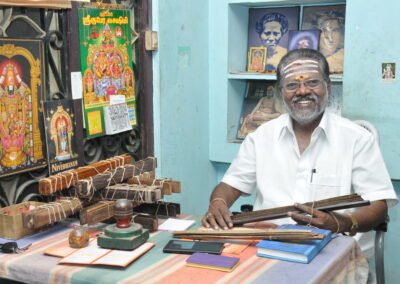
x: 218, y: 215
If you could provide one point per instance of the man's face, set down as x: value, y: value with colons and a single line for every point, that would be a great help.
x: 272, y: 34
x: 308, y: 101
x: 303, y: 43
x: 331, y: 35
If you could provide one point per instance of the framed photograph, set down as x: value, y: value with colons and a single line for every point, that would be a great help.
x: 21, y: 93
x: 269, y: 27
x: 260, y: 105
x: 257, y: 58
x: 60, y: 125
x: 303, y: 39
x: 330, y: 20
x: 388, y: 72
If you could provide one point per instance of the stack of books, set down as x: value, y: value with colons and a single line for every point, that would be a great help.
x: 302, y: 252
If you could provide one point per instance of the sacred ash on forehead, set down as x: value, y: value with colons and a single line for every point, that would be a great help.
x: 301, y: 66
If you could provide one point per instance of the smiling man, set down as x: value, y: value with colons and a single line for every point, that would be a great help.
x: 307, y: 154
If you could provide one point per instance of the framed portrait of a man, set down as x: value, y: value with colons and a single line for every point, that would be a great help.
x: 260, y: 104
x: 21, y: 93
x: 330, y: 20
x: 303, y: 39
x: 269, y: 27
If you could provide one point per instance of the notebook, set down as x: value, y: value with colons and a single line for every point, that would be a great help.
x: 213, y: 261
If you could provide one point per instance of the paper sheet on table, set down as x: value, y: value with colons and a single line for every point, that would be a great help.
x: 172, y: 224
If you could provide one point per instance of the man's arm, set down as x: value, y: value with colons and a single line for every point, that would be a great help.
x: 218, y: 214
x: 367, y: 217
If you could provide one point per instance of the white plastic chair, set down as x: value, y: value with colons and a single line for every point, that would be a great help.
x: 382, y: 228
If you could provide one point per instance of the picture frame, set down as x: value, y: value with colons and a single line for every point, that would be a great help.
x: 304, y: 39
x: 330, y: 20
x: 61, y: 136
x: 388, y: 70
x: 260, y: 104
x: 269, y: 27
x: 21, y: 93
x: 256, y: 59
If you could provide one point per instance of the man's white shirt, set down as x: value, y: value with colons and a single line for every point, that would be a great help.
x: 342, y: 158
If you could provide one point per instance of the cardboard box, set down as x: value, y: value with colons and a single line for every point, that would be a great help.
x: 11, y: 221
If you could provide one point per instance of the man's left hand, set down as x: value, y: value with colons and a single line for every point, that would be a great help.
x: 316, y: 218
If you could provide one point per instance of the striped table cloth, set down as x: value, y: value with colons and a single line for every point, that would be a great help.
x: 341, y: 261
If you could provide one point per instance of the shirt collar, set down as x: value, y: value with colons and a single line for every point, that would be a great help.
x: 286, y: 126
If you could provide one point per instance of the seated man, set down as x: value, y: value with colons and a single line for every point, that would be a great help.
x: 307, y: 154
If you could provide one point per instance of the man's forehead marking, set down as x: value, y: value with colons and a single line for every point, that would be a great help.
x: 301, y: 66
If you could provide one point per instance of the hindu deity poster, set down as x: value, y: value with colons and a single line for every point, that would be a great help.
x: 21, y: 91
x: 106, y: 64
x: 60, y: 125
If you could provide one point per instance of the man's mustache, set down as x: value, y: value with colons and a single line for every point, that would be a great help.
x: 308, y: 97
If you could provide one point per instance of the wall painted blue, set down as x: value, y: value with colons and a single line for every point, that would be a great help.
x: 372, y: 27
x: 181, y: 95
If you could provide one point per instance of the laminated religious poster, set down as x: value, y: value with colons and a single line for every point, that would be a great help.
x: 330, y: 20
x: 60, y: 126
x: 21, y: 92
x: 260, y: 104
x: 106, y: 64
x: 269, y: 27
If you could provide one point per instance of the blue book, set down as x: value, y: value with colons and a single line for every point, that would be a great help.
x: 302, y: 252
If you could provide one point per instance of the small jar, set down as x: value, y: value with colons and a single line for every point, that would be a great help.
x: 78, y: 238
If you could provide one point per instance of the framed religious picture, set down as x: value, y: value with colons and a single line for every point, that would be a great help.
x: 388, y: 72
x: 256, y: 59
x: 21, y: 93
x: 61, y: 130
x: 330, y: 20
x: 260, y: 105
x: 303, y: 39
x: 269, y: 27
x: 106, y: 64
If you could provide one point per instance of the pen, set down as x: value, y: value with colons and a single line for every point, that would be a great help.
x: 313, y: 171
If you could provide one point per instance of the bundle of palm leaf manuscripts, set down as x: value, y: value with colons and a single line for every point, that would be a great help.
x: 249, y: 234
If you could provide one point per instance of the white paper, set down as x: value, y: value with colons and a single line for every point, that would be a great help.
x: 85, y: 255
x: 117, y: 99
x: 123, y: 258
x: 172, y: 224
x: 76, y: 85
x: 116, y: 118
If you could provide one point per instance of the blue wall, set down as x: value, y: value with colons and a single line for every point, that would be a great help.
x: 181, y: 100
x: 372, y: 29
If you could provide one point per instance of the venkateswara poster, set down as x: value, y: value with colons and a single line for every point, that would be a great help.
x: 21, y: 93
